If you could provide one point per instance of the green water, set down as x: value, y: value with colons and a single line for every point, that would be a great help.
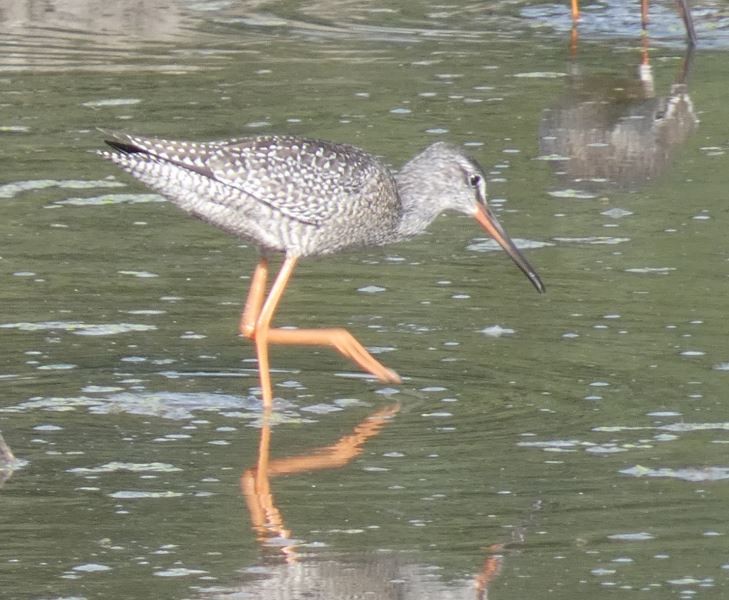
x: 571, y: 445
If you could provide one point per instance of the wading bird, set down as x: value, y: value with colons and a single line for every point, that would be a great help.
x: 301, y: 197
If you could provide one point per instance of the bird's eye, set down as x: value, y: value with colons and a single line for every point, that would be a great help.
x: 475, y: 180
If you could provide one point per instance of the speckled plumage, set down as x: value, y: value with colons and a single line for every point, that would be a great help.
x: 305, y: 197
x: 285, y: 194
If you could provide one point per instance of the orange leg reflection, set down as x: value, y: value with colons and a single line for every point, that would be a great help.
x: 255, y: 482
x: 267, y: 520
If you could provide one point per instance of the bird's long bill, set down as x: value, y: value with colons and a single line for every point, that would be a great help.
x: 489, y: 222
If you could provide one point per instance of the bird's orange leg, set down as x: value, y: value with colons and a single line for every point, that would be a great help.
x: 342, y: 341
x: 644, y: 16
x: 575, y: 10
x: 256, y: 293
x: 645, y: 60
x: 249, y: 327
x: 261, y: 329
x: 256, y: 324
x: 573, y: 32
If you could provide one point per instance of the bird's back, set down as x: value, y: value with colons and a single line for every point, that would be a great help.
x: 284, y: 193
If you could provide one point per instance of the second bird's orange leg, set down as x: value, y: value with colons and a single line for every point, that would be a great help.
x: 644, y: 15
x: 256, y: 323
x: 573, y: 32
x: 575, y: 10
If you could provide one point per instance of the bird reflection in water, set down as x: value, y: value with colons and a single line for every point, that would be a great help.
x: 267, y: 520
x: 290, y: 573
x: 617, y: 132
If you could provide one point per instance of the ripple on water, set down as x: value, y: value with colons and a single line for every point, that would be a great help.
x: 179, y: 572
x: 57, y: 367
x: 79, y: 328
x: 489, y: 245
x: 496, y: 331
x: 541, y: 75
x: 91, y: 568
x: 107, y: 199
x: 14, y: 129
x: 142, y: 494
x: 140, y: 274
x: 632, y: 537
x: 104, y: 102
x: 593, y: 240
x: 321, y: 408
x: 116, y: 466
x: 10, y: 190
x: 170, y: 405
x: 616, y: 213
x: 693, y: 474
x: 371, y: 289
x: 572, y: 193
x: 651, y: 270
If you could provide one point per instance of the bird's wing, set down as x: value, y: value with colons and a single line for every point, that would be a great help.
x: 191, y: 155
x: 305, y: 180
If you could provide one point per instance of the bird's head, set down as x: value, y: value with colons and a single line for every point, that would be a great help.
x: 443, y: 177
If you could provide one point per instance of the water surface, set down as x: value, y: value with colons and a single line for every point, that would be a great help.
x: 568, y: 445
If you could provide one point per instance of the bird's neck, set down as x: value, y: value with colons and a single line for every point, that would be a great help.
x: 418, y: 211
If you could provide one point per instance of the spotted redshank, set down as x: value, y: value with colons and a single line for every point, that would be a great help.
x: 303, y: 197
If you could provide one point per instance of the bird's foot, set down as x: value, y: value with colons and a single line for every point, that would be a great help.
x: 388, y: 376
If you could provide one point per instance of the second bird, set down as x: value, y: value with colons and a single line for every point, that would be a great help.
x: 303, y: 197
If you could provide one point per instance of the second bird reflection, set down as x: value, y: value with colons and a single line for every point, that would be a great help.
x: 617, y: 132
